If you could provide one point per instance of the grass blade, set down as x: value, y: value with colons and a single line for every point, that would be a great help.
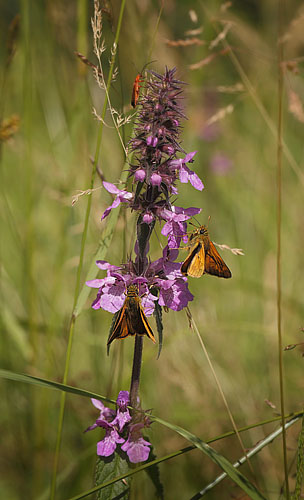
x: 239, y: 462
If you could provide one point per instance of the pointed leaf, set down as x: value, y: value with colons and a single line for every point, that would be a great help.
x: 216, y: 457
x: 159, y: 326
x: 108, y: 468
x: 29, y: 379
x: 154, y: 474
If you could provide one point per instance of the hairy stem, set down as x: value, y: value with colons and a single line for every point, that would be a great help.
x: 137, y: 359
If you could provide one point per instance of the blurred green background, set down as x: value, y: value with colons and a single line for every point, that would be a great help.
x: 45, y: 161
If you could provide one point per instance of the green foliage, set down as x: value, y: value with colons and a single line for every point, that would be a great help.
x: 159, y: 325
x: 154, y: 474
x: 107, y: 469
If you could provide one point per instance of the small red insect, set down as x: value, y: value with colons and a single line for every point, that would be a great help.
x: 136, y: 86
x: 135, y: 91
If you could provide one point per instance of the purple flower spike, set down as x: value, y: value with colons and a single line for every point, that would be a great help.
x: 107, y: 445
x: 136, y: 447
x: 121, y: 197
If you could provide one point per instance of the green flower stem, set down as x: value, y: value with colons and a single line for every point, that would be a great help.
x: 300, y: 465
x: 137, y: 359
x: 279, y: 223
x: 80, y: 265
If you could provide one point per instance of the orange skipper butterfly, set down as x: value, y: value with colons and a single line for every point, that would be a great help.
x: 131, y: 319
x: 203, y: 257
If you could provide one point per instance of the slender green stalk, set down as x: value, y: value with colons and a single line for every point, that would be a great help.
x: 156, y: 29
x: 300, y: 465
x: 279, y: 217
x: 269, y: 439
x: 29, y: 240
x: 220, y: 390
x: 137, y: 361
x: 81, y: 257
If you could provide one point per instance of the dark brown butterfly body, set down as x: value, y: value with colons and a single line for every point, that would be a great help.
x: 203, y: 257
x: 131, y: 319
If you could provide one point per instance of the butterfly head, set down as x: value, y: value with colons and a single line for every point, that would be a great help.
x: 203, y: 230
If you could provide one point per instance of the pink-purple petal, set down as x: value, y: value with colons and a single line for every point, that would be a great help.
x: 111, y: 188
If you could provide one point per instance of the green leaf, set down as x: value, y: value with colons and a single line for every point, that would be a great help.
x: 29, y: 379
x: 108, y: 468
x: 154, y: 475
x: 159, y: 326
x: 138, y: 190
x: 143, y: 235
x: 216, y: 457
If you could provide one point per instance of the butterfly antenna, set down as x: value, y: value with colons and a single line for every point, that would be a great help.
x: 196, y: 222
x: 147, y: 64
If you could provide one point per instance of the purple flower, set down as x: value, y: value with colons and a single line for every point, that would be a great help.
x: 174, y: 294
x: 121, y: 197
x: 112, y: 290
x: 105, y: 413
x: 185, y: 174
x: 156, y: 179
x: 162, y: 275
x: 136, y: 447
x: 147, y: 217
x: 123, y: 415
x: 152, y: 141
x: 140, y: 175
x: 107, y: 445
x: 176, y: 228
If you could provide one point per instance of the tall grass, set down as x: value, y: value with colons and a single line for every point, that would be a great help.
x: 48, y: 159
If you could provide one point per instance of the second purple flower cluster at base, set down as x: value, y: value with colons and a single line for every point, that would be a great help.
x: 119, y: 430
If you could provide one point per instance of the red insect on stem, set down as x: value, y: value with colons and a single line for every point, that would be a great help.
x: 136, y: 86
x: 135, y: 91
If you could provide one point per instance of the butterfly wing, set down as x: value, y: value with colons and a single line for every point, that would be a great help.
x: 120, y: 328
x: 214, y: 263
x: 148, y: 329
x: 194, y: 264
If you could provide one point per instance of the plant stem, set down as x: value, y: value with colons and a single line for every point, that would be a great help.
x: 143, y: 236
x: 137, y: 359
x: 300, y: 465
x: 279, y: 217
